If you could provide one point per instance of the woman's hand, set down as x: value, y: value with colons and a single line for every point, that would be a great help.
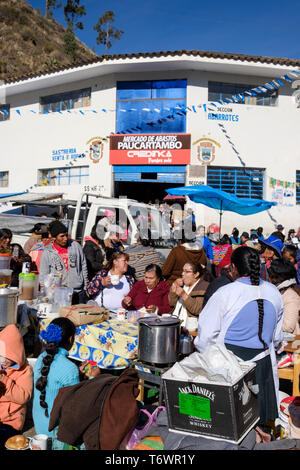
x: 176, y: 284
x: 106, y: 281
x: 151, y: 308
x: 179, y: 291
x: 127, y: 301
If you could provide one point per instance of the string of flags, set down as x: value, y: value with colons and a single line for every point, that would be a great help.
x: 272, y: 85
x: 274, y: 183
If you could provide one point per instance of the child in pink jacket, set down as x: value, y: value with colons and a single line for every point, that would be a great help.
x: 16, y: 383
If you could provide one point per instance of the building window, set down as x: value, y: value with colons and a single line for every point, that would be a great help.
x: 156, y: 106
x: 3, y: 179
x: 242, y: 182
x: 220, y: 91
x: 64, y: 101
x: 63, y: 176
x: 4, y: 112
x: 297, y: 186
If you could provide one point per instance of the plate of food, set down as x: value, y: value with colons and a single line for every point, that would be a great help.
x: 18, y: 442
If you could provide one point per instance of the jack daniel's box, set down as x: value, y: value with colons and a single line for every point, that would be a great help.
x: 213, y: 410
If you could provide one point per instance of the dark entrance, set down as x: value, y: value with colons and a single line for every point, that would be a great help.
x: 142, y: 191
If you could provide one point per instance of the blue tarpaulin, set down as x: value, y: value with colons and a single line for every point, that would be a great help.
x: 4, y: 195
x: 220, y: 200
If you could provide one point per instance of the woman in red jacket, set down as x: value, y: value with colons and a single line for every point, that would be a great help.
x: 151, y: 293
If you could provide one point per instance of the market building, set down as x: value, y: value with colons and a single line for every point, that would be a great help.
x: 136, y: 124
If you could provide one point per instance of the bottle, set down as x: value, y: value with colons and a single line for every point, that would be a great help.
x: 26, y: 286
x: 15, y: 252
x: 26, y: 267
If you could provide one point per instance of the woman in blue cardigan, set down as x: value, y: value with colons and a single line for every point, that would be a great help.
x: 53, y: 371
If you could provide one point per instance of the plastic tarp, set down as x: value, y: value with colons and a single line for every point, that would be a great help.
x: 217, y: 199
x: 21, y: 223
x: 26, y: 197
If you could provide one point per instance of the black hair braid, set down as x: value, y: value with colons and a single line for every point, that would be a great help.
x: 68, y: 331
x: 41, y: 383
x: 254, y: 265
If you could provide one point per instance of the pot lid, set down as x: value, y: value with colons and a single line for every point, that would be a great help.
x: 159, y: 321
x: 8, y: 290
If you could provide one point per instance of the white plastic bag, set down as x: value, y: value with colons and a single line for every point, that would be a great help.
x: 215, y: 364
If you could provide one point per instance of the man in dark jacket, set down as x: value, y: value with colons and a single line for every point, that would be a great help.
x: 279, y: 233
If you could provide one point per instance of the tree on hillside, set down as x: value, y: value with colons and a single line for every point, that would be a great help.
x: 73, y: 11
x: 50, y: 4
x: 106, y: 32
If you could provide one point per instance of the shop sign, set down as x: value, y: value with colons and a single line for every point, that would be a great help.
x: 150, y: 149
x: 223, y: 117
x: 66, y: 154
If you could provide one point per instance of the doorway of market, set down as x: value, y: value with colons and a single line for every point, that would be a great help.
x: 143, y: 191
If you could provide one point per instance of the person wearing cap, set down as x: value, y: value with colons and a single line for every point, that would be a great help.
x: 65, y: 256
x: 245, y: 240
x: 108, y: 219
x: 36, y: 235
x: 270, y: 249
x: 279, y: 233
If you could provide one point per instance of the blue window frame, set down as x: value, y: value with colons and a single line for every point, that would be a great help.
x: 151, y: 106
x: 63, y: 176
x: 220, y: 91
x: 3, y: 179
x: 4, y: 112
x: 64, y: 101
x: 242, y: 182
x: 297, y: 186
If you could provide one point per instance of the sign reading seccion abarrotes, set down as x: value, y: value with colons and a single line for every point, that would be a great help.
x: 150, y: 149
x: 223, y: 114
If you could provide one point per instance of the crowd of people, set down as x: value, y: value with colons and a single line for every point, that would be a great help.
x: 239, y: 290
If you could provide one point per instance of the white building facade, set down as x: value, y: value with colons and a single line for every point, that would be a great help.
x: 56, y: 131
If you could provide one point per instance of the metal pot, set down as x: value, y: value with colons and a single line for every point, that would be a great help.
x: 8, y: 305
x: 158, y: 339
x: 186, y: 343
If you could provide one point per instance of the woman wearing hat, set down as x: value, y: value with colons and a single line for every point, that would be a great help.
x: 36, y: 235
x: 270, y: 249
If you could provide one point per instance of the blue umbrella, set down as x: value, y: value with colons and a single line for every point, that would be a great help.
x: 217, y: 199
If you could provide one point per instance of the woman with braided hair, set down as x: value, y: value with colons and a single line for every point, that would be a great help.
x: 53, y: 371
x: 246, y: 316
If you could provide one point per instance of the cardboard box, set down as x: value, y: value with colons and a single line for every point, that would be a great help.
x: 83, y: 314
x: 213, y: 410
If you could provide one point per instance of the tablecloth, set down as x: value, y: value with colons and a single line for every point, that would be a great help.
x: 111, y: 343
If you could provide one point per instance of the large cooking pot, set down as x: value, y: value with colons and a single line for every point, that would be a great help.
x: 8, y: 305
x: 158, y: 339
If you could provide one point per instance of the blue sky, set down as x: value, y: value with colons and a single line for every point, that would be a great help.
x: 258, y: 27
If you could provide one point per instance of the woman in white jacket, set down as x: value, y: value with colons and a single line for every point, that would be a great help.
x: 246, y: 316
